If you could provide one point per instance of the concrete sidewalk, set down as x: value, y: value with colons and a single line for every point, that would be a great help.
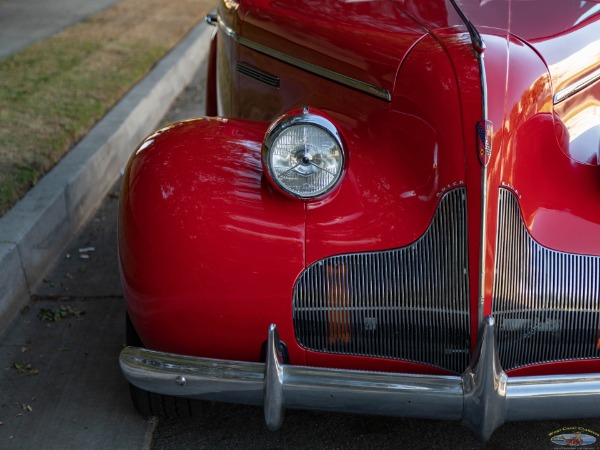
x: 23, y: 22
x: 35, y: 231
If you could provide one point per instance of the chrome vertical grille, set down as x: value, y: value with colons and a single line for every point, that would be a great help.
x: 410, y: 303
x: 546, y: 303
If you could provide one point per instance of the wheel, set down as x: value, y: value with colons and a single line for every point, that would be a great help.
x: 149, y: 403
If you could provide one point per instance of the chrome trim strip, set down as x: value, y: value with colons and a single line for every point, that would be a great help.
x: 482, y: 244
x: 476, y: 40
x: 353, y: 83
x: 479, y: 49
x: 482, y: 399
x: 574, y: 88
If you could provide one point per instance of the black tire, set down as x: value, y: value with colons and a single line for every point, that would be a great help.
x: 149, y: 403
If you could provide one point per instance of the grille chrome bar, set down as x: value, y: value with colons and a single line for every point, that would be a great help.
x: 409, y: 303
x: 546, y: 303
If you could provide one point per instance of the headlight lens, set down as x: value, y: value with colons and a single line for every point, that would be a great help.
x: 303, y: 155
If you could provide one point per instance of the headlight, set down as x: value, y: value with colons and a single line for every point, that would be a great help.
x: 303, y: 155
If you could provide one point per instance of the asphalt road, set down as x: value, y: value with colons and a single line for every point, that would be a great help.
x: 60, y: 386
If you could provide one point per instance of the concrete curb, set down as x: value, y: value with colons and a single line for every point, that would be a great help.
x: 36, y: 230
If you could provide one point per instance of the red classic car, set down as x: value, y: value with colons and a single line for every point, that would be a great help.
x: 392, y: 207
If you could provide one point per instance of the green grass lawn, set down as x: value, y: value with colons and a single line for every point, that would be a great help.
x: 53, y: 92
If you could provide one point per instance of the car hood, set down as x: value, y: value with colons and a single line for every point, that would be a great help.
x: 553, y: 17
x: 362, y: 40
x: 557, y: 34
x: 367, y: 40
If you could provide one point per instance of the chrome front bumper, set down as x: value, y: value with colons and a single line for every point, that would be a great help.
x: 483, y: 398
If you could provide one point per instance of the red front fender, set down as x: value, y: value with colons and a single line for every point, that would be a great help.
x: 198, y: 230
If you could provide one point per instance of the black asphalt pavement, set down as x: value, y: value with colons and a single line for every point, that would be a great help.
x: 60, y: 382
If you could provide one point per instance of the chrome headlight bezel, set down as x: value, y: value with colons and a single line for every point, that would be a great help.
x: 322, y: 125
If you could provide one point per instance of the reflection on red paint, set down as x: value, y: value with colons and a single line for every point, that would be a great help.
x: 338, y: 302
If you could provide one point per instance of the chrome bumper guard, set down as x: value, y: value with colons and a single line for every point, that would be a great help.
x: 483, y: 398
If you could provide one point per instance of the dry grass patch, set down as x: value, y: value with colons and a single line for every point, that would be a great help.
x: 53, y: 92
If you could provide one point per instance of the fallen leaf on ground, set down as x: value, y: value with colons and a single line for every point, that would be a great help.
x: 26, y: 368
x: 49, y: 315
